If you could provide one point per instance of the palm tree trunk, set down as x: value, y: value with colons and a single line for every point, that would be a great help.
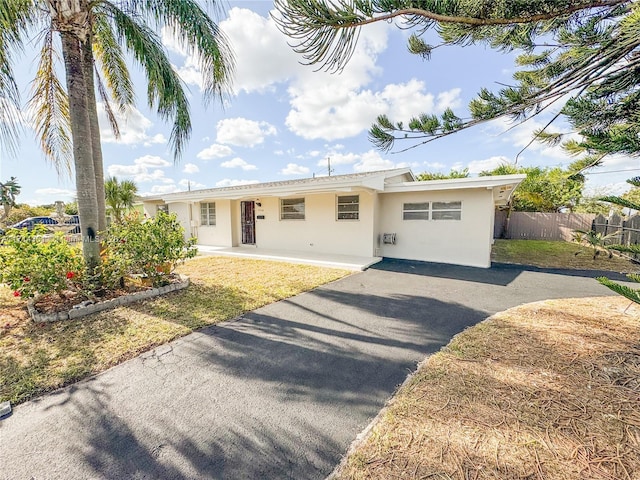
x: 96, y: 145
x: 82, y: 149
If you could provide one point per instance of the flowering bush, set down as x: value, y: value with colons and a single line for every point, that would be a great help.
x: 33, y: 266
x: 149, y: 247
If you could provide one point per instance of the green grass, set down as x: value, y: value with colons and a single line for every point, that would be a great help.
x: 558, y: 254
x: 36, y: 358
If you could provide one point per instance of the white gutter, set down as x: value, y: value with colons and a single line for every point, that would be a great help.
x: 456, y: 183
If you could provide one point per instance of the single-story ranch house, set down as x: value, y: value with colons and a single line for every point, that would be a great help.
x: 374, y: 214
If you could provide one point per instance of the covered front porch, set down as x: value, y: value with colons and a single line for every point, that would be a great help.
x: 347, y: 262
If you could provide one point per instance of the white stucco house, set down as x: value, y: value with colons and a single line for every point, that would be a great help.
x: 374, y: 214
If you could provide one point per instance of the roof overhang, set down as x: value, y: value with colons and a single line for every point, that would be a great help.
x: 502, y: 186
x: 374, y: 182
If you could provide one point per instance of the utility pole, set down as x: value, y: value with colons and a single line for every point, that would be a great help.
x: 329, y: 169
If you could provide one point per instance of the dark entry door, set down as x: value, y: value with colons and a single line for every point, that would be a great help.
x: 248, y: 219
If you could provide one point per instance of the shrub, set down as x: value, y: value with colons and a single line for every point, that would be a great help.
x: 32, y: 265
x: 149, y: 247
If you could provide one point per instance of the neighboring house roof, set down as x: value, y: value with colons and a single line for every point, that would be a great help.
x: 383, y: 181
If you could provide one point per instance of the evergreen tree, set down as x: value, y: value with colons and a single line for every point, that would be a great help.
x: 628, y: 292
x: 581, y: 49
x: 443, y: 176
x: 544, y: 189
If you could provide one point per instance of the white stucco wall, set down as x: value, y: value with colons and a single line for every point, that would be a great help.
x: 320, y: 231
x: 182, y: 212
x: 463, y: 242
x: 220, y: 233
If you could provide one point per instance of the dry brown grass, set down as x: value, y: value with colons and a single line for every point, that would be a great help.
x: 549, y: 390
x: 35, y: 358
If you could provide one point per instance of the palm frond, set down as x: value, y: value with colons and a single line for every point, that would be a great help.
x: 49, y: 107
x: 193, y: 27
x: 15, y: 17
x: 165, y: 90
x: 104, y: 96
x: 110, y: 57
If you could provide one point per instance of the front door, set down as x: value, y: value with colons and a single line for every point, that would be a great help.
x: 248, y: 220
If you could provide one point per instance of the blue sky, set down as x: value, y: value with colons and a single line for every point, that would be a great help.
x: 285, y: 119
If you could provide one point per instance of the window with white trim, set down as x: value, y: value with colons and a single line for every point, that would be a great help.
x: 207, y: 214
x: 415, y: 211
x: 162, y: 208
x: 348, y: 207
x: 292, y: 209
x: 446, y: 210
x: 432, y: 211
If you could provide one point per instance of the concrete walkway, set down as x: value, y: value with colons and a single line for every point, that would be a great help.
x: 346, y: 262
x: 280, y: 393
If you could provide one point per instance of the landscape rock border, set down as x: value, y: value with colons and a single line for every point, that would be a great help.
x: 79, y: 312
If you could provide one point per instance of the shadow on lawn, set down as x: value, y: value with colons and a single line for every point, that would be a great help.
x: 278, y: 393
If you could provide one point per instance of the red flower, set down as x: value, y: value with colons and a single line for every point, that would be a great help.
x: 16, y: 293
x: 27, y: 279
x: 70, y: 275
x: 122, y: 240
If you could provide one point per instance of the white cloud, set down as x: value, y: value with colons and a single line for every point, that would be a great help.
x: 372, y: 160
x: 191, y: 168
x: 227, y: 182
x: 243, y: 132
x: 152, y: 161
x: 61, y: 192
x: 363, y: 162
x: 134, y: 128
x: 435, y: 165
x: 254, y: 39
x: 159, y: 189
x: 332, y: 112
x: 238, y: 163
x: 293, y: 169
x: 477, y: 166
x: 190, y: 184
x: 144, y: 169
x: 215, y: 151
x: 339, y: 159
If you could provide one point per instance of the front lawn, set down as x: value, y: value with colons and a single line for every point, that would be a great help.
x: 556, y: 254
x: 35, y: 358
x: 548, y: 390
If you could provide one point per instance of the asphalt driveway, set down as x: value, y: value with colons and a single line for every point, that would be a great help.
x: 278, y: 393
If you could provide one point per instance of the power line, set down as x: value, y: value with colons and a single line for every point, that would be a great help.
x: 612, y: 171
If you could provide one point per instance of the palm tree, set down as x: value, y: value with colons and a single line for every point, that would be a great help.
x: 119, y: 196
x: 9, y: 190
x: 96, y: 36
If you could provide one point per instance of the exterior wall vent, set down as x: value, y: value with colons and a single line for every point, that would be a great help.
x: 389, y: 238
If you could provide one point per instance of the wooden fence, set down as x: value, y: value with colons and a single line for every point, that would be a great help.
x: 627, y: 231
x: 540, y: 226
